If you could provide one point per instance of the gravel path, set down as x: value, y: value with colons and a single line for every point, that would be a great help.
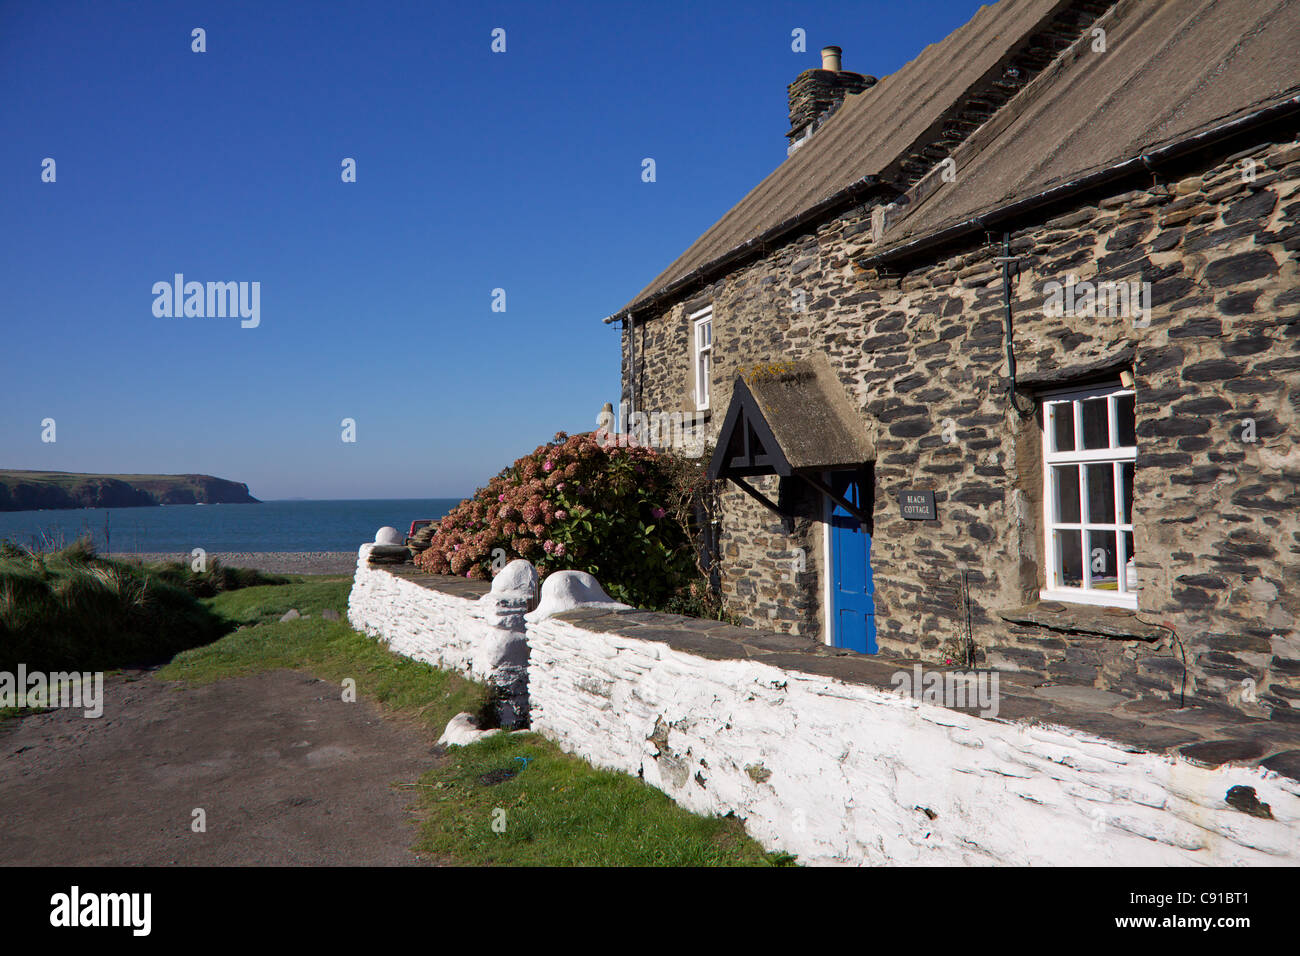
x: 272, y: 562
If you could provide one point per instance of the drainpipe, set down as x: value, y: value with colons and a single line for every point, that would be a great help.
x: 630, y: 325
x: 1007, y: 259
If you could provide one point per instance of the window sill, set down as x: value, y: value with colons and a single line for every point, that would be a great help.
x: 1096, y: 597
x: 1111, y: 622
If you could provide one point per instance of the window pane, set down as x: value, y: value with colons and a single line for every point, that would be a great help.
x: 1065, y: 481
x: 1096, y: 423
x: 1063, y: 427
x: 1125, y: 421
x: 1069, y: 562
x: 1126, y: 482
x: 1101, y: 494
x: 1130, y: 572
x: 1103, y: 560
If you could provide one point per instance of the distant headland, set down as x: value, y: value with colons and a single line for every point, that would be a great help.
x: 36, y: 490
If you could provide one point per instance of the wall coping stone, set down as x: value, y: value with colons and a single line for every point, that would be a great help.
x: 466, y: 588
x: 388, y: 554
x: 1286, y: 763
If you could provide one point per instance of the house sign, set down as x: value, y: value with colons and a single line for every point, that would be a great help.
x: 917, y: 505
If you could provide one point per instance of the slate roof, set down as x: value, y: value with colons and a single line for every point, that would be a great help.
x: 870, y: 130
x: 1170, y: 70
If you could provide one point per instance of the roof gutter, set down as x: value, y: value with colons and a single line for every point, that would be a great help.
x: 1143, y: 162
x: 850, y: 195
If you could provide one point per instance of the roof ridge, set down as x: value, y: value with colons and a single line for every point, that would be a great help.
x: 922, y: 190
x: 1020, y: 65
x: 1034, y: 39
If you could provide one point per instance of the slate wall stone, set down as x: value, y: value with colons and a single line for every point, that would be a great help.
x: 1217, y: 516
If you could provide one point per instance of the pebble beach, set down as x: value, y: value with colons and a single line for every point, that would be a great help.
x: 272, y: 562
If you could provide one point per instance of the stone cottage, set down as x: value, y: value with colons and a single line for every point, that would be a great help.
x: 1002, y: 363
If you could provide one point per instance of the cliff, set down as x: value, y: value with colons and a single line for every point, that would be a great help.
x: 33, y: 490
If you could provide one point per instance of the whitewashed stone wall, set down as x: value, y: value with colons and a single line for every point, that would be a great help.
x: 838, y: 772
x: 426, y: 625
x: 482, y: 638
x: 841, y: 773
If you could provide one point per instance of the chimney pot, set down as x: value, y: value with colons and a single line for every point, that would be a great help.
x: 816, y: 94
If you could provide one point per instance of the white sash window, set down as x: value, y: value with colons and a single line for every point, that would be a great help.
x: 703, y: 323
x: 1089, y: 458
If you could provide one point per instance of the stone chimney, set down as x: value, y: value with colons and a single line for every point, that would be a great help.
x: 816, y: 94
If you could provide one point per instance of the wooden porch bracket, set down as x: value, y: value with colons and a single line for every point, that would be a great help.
x: 825, y: 489
x: 787, y: 523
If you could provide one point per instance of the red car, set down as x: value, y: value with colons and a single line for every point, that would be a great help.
x: 416, y: 526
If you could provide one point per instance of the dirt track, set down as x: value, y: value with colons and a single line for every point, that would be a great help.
x: 286, y: 771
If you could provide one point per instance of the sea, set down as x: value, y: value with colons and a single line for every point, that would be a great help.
x: 265, y: 526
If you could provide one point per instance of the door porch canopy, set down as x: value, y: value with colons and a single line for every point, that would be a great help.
x: 792, y: 419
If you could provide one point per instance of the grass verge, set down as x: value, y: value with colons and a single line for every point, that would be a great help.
x: 73, y: 610
x: 518, y: 800
x: 557, y: 810
x: 331, y: 650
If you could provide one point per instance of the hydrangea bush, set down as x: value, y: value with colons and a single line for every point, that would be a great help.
x: 574, y: 505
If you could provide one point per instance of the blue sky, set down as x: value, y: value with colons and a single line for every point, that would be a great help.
x: 475, y: 171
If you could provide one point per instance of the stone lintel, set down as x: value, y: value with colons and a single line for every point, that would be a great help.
x: 1117, y: 623
x: 1065, y: 375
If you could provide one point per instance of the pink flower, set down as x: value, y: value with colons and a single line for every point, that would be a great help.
x: 561, y: 514
x: 548, y: 466
x: 549, y: 547
x: 501, y: 497
x: 658, y: 512
x: 559, y: 549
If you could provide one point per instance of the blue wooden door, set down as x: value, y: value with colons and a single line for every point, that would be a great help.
x: 853, y: 608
